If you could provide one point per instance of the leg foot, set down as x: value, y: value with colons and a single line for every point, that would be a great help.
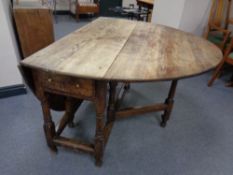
x: 127, y: 86
x: 49, y: 129
x: 98, y: 163
x: 71, y: 125
x: 163, y: 124
x: 216, y: 73
x: 169, y: 102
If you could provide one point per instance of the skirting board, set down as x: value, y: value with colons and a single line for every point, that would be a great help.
x: 12, y: 91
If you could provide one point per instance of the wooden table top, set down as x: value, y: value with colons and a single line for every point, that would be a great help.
x: 123, y: 50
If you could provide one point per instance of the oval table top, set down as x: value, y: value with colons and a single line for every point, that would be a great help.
x: 123, y: 50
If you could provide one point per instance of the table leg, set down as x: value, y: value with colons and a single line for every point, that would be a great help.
x: 147, y: 14
x: 169, y: 102
x: 127, y: 86
x: 112, y: 102
x: 100, y: 103
x: 71, y: 106
x: 71, y: 114
x: 49, y: 127
x: 71, y: 110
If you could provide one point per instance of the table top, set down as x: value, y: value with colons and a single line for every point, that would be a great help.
x: 124, y: 50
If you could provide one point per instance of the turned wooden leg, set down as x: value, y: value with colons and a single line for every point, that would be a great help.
x: 216, y: 73
x: 71, y: 109
x: 127, y: 86
x: 71, y: 106
x: 49, y: 127
x: 169, y: 102
x: 101, y: 88
x: 112, y: 102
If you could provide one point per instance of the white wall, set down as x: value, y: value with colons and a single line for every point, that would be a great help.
x: 9, y: 74
x: 195, y: 16
x: 188, y: 15
x: 126, y: 3
x: 168, y: 12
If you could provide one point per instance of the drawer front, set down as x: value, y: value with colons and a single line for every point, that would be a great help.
x: 67, y: 84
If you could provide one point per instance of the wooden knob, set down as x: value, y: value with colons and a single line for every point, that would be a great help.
x: 77, y: 86
x: 49, y: 80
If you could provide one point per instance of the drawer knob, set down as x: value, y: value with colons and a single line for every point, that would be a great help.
x: 77, y: 86
x: 49, y: 80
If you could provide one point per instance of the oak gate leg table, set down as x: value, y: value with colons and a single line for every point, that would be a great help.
x: 108, y: 51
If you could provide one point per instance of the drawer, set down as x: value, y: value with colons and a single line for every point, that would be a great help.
x: 67, y: 85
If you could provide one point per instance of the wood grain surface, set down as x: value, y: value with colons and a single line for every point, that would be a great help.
x: 34, y: 28
x: 123, y: 50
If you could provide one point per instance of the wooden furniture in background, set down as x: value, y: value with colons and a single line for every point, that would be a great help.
x: 87, y: 6
x: 80, y: 66
x: 230, y: 21
x: 230, y: 84
x: 56, y: 2
x: 34, y: 28
x: 149, y: 4
x: 146, y: 3
x: 227, y: 59
x: 217, y: 29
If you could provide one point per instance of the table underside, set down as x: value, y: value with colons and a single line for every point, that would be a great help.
x: 76, y: 90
